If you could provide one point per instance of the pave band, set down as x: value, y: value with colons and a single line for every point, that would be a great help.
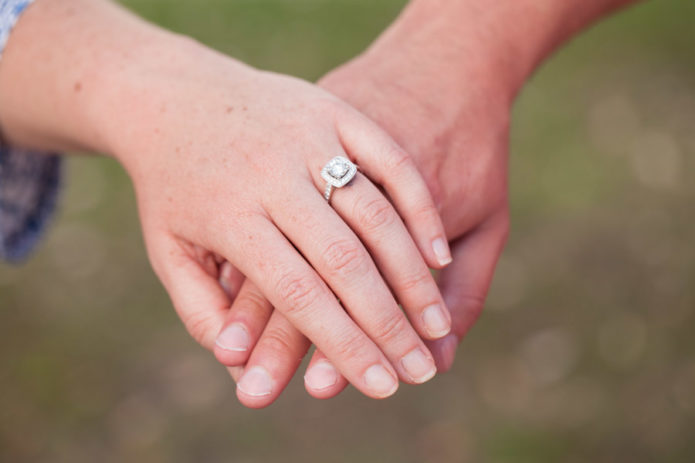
x: 337, y: 173
x: 329, y: 191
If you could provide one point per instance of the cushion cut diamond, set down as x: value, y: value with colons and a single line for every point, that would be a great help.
x: 339, y: 171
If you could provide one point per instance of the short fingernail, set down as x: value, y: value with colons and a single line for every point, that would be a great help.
x: 442, y: 251
x: 418, y: 366
x: 225, y: 275
x: 234, y: 338
x: 378, y: 379
x: 437, y: 321
x: 321, y: 376
x: 256, y: 382
x: 226, y: 271
x: 448, y: 350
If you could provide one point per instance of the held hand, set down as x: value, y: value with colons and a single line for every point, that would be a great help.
x: 461, y: 148
x: 227, y: 159
x: 459, y: 142
x: 441, y: 81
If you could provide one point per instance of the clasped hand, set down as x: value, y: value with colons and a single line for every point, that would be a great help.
x: 228, y: 164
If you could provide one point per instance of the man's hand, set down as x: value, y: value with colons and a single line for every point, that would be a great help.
x: 458, y: 138
x: 461, y: 149
x: 441, y: 81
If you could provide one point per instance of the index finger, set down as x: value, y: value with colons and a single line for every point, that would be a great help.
x: 294, y: 288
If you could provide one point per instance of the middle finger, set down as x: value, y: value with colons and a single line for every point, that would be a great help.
x: 340, y: 258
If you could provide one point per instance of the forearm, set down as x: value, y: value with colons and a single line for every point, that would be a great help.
x: 65, y: 70
x: 504, y: 40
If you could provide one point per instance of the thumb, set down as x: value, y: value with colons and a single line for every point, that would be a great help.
x: 465, y: 283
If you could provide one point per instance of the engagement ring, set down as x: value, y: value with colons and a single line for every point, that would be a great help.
x: 337, y: 173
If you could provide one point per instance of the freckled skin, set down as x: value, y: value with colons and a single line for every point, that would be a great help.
x: 202, y: 202
x: 198, y: 198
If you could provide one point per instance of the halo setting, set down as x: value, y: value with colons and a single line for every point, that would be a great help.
x: 339, y: 171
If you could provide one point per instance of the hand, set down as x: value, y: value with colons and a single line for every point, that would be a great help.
x: 226, y: 159
x: 458, y: 136
x: 465, y: 165
x: 442, y: 81
x: 461, y: 150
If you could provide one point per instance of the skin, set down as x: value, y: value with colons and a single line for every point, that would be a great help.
x: 478, y: 57
x: 225, y: 161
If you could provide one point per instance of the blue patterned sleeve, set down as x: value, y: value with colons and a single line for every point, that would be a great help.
x: 29, y: 181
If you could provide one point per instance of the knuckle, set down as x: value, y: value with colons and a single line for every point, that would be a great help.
x: 470, y: 308
x: 396, y: 158
x: 390, y: 328
x: 350, y: 345
x: 375, y: 214
x: 251, y: 301
x: 331, y: 106
x: 298, y: 291
x: 473, y: 302
x: 345, y: 257
x: 200, y: 326
x: 415, y: 282
x: 277, y: 342
x: 427, y: 213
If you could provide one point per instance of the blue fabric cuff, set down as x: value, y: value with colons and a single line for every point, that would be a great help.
x: 10, y: 10
x: 29, y: 185
x: 29, y: 181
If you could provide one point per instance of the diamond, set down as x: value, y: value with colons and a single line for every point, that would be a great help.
x: 339, y: 171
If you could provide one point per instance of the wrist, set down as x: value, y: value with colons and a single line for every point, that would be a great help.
x: 498, y: 44
x: 124, y: 84
x: 160, y: 83
x: 461, y: 43
x: 79, y: 74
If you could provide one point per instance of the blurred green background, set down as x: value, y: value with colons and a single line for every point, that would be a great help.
x: 584, y: 353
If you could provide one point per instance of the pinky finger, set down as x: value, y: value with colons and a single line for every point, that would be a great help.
x: 198, y: 298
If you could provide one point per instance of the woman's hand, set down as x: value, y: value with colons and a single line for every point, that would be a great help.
x: 226, y: 159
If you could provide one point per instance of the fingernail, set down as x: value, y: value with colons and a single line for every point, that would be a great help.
x: 225, y: 276
x: 234, y: 338
x: 448, y: 350
x: 256, y: 382
x: 441, y: 250
x: 321, y: 376
x: 437, y: 321
x: 226, y: 271
x: 418, y: 366
x: 380, y: 381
